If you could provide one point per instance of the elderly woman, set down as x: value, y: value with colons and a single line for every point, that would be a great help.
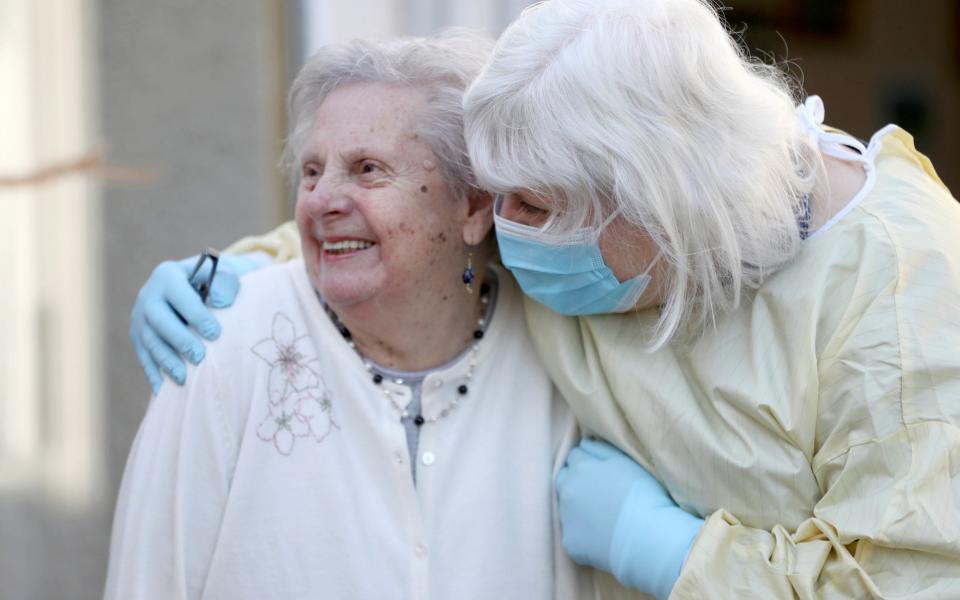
x: 368, y: 426
x: 776, y: 336
x: 758, y: 311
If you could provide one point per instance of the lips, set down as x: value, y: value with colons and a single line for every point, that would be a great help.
x: 345, y: 246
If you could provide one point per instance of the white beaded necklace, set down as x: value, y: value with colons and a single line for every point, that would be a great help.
x: 377, y: 378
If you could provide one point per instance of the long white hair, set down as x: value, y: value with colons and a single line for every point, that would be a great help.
x: 649, y: 107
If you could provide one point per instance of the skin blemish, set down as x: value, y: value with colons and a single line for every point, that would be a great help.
x: 424, y: 189
x: 429, y: 165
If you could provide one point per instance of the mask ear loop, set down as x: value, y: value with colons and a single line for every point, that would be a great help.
x: 596, y: 233
x: 616, y: 213
x: 653, y: 263
x: 606, y: 222
x: 631, y: 299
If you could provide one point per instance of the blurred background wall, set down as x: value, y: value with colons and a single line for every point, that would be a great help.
x: 132, y: 131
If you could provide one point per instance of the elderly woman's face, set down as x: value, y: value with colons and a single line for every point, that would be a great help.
x: 374, y: 211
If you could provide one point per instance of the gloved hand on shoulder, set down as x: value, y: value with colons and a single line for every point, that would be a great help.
x: 158, y: 334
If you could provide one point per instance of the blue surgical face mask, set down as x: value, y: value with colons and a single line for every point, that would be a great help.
x: 567, y: 275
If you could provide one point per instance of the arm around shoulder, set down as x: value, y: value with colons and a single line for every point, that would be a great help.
x: 281, y: 245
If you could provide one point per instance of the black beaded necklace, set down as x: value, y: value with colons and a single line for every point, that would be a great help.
x: 377, y: 378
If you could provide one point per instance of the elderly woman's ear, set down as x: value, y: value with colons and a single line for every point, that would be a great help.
x: 479, y: 217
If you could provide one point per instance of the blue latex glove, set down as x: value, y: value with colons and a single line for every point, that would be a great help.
x: 618, y: 518
x: 158, y: 336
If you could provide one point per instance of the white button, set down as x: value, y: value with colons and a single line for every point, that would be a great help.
x: 428, y: 458
x: 420, y: 550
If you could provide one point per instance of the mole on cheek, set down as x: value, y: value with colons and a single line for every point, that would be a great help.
x: 423, y: 189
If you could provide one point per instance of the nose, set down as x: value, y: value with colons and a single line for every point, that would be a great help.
x: 322, y: 200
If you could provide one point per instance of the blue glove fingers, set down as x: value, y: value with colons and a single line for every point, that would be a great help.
x: 585, y: 509
x: 185, y: 300
x: 168, y: 284
x: 226, y: 285
x: 164, y: 323
x: 149, y: 366
x: 163, y: 355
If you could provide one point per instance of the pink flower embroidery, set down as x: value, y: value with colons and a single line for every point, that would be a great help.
x: 300, y: 405
x: 289, y: 359
x: 282, y: 427
x: 316, y: 410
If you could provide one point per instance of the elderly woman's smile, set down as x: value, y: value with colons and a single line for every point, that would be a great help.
x: 342, y: 247
x: 377, y: 216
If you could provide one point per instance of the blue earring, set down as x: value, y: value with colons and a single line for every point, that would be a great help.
x: 468, y: 273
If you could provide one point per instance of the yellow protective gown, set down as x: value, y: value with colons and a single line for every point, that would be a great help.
x: 817, y: 429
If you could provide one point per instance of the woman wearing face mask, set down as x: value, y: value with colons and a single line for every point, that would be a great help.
x: 768, y: 309
x: 758, y: 312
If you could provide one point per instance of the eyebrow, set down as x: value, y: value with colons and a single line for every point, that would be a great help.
x: 351, y: 153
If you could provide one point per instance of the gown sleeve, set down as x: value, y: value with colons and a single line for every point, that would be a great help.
x: 280, y: 245
x: 887, y: 524
x: 887, y: 528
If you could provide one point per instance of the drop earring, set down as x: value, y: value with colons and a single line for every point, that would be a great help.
x: 468, y: 273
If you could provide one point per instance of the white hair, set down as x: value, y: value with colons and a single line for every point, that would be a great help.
x: 442, y: 66
x: 651, y: 108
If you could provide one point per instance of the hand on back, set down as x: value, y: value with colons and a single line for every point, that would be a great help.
x: 169, y: 320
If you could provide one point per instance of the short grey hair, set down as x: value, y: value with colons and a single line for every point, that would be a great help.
x: 442, y: 66
x: 649, y: 107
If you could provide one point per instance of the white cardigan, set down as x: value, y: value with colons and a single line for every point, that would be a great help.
x: 280, y: 470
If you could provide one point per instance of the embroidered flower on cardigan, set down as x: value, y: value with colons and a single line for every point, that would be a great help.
x: 282, y: 427
x: 300, y: 404
x: 290, y: 363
